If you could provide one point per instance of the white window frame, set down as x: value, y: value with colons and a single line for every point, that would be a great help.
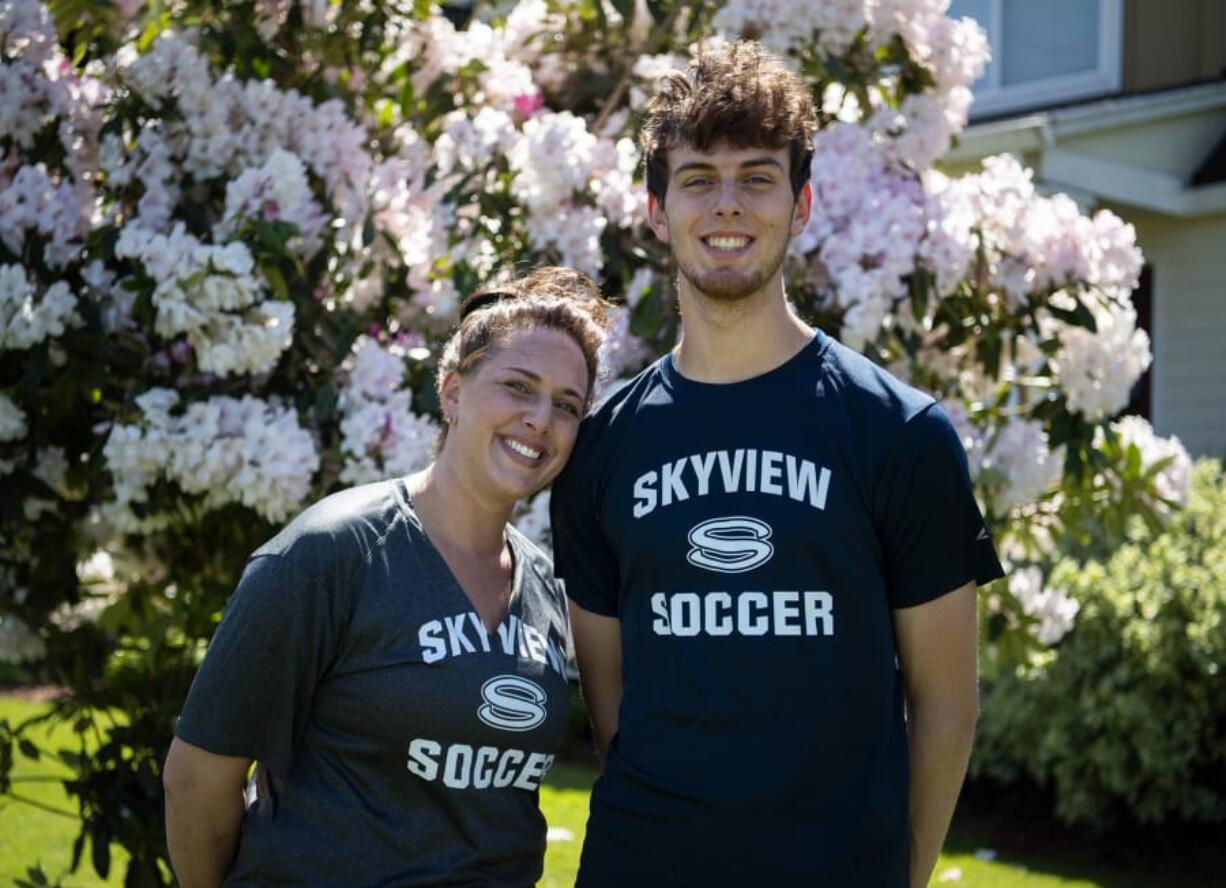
x: 993, y: 98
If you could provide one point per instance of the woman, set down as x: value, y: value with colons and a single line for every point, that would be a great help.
x: 393, y: 659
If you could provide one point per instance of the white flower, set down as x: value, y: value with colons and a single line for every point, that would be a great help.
x: 59, y: 211
x: 972, y: 438
x: 278, y: 190
x: 780, y: 24
x: 27, y: 31
x: 1172, y: 482
x: 381, y: 436
x: 533, y: 520
x: 1097, y: 370
x: 865, y: 229
x: 18, y: 642
x: 26, y: 318
x: 1019, y: 466
x: 574, y: 230
x: 225, y: 449
x: 552, y: 160
x: 375, y: 373
x: 228, y: 323
x: 12, y: 420
x: 622, y: 350
x: 1053, y: 608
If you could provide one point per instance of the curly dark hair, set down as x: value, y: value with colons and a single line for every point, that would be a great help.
x: 736, y: 93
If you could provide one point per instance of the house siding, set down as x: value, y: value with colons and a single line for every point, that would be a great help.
x: 1188, y: 258
x: 1172, y: 42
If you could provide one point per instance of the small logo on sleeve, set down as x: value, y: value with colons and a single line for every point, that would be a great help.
x: 735, y: 544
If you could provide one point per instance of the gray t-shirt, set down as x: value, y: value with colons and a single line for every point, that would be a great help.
x: 404, y: 744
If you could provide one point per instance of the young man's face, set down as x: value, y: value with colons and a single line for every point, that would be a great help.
x: 728, y: 215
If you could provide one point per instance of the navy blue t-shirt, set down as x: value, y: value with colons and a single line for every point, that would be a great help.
x: 754, y: 539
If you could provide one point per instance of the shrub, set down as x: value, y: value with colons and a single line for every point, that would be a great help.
x: 1125, y: 720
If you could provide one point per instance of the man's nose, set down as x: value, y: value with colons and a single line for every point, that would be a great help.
x: 728, y: 200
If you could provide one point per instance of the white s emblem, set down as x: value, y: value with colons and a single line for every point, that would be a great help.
x: 512, y: 703
x: 730, y: 545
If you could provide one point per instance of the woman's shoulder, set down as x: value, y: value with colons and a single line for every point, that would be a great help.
x: 341, y: 531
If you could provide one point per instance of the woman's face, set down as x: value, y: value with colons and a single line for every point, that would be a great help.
x: 517, y: 413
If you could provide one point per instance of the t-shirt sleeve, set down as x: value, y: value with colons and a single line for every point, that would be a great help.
x: 933, y: 537
x: 582, y: 558
x: 252, y: 694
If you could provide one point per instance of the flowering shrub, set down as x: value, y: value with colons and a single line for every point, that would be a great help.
x: 232, y: 235
x: 1144, y: 739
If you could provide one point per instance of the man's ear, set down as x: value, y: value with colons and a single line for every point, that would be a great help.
x: 802, y: 209
x: 657, y: 218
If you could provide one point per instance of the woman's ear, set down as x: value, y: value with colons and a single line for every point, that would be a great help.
x: 449, y: 396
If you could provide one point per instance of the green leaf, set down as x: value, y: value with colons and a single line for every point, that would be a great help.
x: 325, y: 402
x: 275, y: 279
x: 1080, y: 316
x: 919, y: 284
x: 625, y: 9
x: 647, y: 317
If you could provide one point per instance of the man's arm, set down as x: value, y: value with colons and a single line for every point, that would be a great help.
x: 598, y: 648
x: 937, y: 653
x: 204, y: 812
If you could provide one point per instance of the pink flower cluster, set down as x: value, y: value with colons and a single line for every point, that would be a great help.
x: 225, y: 126
x: 865, y: 229
x: 918, y: 131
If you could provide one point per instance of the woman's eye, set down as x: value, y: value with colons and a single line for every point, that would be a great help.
x: 516, y: 385
x: 567, y: 407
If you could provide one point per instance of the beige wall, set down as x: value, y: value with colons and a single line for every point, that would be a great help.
x: 1170, y: 42
x: 1188, y: 257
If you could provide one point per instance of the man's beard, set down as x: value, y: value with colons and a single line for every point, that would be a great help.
x: 733, y: 284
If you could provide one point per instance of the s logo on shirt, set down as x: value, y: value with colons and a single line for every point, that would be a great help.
x: 512, y: 703
x: 730, y: 545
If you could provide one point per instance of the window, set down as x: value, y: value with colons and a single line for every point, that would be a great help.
x: 1045, y: 52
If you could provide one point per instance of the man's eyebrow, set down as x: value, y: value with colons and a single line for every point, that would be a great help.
x: 536, y: 377
x: 708, y: 167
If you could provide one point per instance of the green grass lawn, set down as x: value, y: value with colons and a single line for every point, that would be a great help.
x: 31, y: 835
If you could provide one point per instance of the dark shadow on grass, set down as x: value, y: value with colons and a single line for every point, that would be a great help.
x: 1018, y: 826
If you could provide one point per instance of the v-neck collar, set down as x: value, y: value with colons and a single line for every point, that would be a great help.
x: 444, y: 569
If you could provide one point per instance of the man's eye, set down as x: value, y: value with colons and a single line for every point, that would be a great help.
x: 698, y: 181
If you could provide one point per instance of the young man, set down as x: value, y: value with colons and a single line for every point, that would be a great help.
x: 770, y: 544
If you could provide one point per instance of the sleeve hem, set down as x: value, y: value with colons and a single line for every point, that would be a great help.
x: 591, y: 604
x: 934, y: 590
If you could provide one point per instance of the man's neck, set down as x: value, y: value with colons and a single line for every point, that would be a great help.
x: 732, y: 340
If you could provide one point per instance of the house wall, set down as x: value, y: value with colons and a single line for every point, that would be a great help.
x: 1188, y: 257
x: 1171, y: 42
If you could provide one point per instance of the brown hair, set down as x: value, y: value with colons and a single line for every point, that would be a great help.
x: 551, y: 297
x: 731, y: 92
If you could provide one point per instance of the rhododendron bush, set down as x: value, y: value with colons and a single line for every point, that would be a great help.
x: 232, y: 236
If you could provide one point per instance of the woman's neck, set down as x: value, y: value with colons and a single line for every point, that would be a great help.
x: 454, y: 513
